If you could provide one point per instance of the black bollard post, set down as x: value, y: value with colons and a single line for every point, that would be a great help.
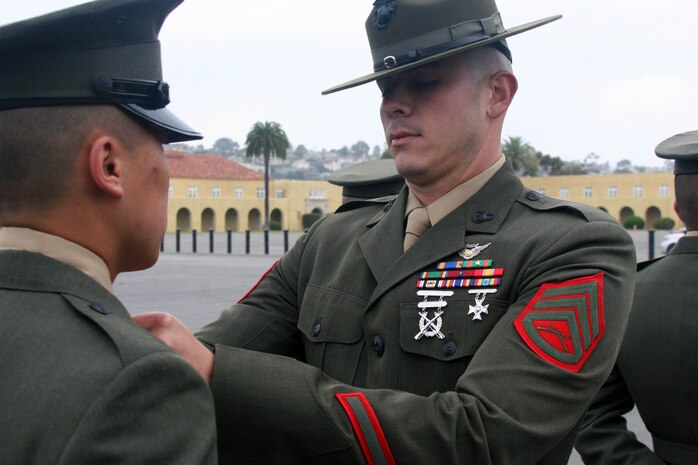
x: 285, y: 240
x: 230, y: 241
x: 247, y: 241
x: 193, y: 240
x: 266, y: 240
x: 210, y: 241
x: 177, y: 243
x: 651, y: 244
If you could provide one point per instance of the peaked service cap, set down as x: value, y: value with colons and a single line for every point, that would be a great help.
x: 683, y: 149
x: 101, y: 52
x: 404, y: 34
x: 368, y: 180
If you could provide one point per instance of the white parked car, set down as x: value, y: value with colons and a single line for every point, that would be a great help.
x: 671, y: 239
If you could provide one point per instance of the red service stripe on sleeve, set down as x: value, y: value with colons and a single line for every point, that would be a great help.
x: 260, y: 280
x: 367, y: 428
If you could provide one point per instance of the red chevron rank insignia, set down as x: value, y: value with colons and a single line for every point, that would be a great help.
x: 564, y: 322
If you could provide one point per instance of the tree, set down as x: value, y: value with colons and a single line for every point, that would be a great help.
x: 360, y: 149
x: 552, y: 166
x: 225, y: 146
x: 523, y: 156
x: 301, y: 151
x: 267, y: 139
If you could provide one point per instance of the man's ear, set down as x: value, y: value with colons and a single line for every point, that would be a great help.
x: 503, y: 88
x: 106, y: 166
x: 678, y: 211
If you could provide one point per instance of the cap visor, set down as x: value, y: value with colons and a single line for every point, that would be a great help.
x: 176, y: 130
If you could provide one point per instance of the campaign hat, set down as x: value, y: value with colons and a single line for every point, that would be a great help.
x: 101, y: 52
x: 368, y: 180
x: 683, y: 149
x: 404, y: 34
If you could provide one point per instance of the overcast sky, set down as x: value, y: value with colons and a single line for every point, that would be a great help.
x: 612, y: 77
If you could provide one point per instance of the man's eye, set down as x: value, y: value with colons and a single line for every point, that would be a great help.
x: 425, y: 84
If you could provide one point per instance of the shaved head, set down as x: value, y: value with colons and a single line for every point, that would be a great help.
x: 38, y: 149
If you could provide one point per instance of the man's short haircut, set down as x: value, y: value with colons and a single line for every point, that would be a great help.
x: 686, y: 186
x: 486, y: 61
x: 38, y: 147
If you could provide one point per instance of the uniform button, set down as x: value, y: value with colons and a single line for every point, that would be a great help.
x: 378, y: 345
x: 532, y: 195
x: 99, y: 308
x: 316, y: 329
x: 449, y: 348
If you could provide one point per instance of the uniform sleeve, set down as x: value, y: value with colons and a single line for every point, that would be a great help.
x: 604, y: 438
x: 158, y: 410
x: 511, y: 405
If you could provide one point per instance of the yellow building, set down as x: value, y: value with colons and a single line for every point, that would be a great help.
x: 647, y: 195
x: 212, y: 192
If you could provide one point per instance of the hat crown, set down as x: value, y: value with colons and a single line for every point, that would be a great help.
x: 412, y: 18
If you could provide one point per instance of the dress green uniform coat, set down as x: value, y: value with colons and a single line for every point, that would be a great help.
x: 346, y: 377
x: 656, y: 370
x: 81, y: 384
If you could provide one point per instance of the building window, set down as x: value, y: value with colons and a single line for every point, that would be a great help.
x: 193, y: 192
x: 280, y: 193
x: 637, y: 191
x: 216, y: 192
x: 612, y: 192
x: 588, y: 192
x: 664, y: 190
x: 317, y: 193
x: 239, y: 192
x: 564, y: 193
x: 260, y: 192
x: 170, y: 191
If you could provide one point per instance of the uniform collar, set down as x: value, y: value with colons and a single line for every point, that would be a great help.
x: 59, y: 249
x: 456, y: 196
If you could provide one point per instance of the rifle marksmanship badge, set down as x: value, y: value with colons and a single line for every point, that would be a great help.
x: 564, y: 322
x: 430, y: 323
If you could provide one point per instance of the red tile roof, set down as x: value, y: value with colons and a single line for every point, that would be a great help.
x: 183, y: 165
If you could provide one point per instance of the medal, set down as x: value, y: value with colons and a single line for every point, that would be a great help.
x: 431, y: 327
x: 478, y: 309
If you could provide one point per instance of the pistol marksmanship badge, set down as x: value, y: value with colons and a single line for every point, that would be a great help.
x: 472, y: 250
x: 431, y: 327
x: 478, y: 309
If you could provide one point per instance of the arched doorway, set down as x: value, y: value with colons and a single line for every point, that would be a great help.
x: 316, y: 211
x: 254, y: 220
x: 184, y: 220
x: 231, y: 220
x: 208, y: 220
x: 651, y: 216
x: 625, y: 213
x: 276, y: 220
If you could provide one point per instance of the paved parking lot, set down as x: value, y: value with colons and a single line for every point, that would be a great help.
x: 195, y: 287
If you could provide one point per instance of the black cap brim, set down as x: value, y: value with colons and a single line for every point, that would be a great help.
x: 176, y: 130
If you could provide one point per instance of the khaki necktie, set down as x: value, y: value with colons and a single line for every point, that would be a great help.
x: 417, y: 222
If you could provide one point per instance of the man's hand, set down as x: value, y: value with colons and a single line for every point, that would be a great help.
x: 177, y: 336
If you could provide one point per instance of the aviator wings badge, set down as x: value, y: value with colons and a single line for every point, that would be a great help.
x: 472, y: 250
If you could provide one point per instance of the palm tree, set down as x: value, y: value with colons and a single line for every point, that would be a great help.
x: 267, y: 139
x: 522, y: 155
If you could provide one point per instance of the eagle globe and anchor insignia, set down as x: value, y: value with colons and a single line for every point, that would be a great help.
x: 385, y: 9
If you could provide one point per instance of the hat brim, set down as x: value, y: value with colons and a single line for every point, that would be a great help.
x: 398, y: 69
x: 176, y: 130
